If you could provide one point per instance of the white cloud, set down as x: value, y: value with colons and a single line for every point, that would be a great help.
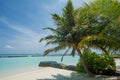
x: 19, y: 28
x: 27, y: 41
x: 8, y: 46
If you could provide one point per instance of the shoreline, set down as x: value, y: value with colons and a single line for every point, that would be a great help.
x: 49, y: 73
x: 37, y: 74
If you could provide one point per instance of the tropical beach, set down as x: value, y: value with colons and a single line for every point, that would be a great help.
x: 49, y: 73
x: 60, y: 40
x: 27, y: 68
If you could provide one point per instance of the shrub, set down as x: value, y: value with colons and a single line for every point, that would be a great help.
x: 97, y: 63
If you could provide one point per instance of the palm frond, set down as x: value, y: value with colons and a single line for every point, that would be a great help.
x: 103, y: 49
x: 73, y: 52
x: 51, y: 29
x: 52, y: 42
x: 109, y: 42
x: 56, y: 31
x: 68, y: 15
x: 59, y: 21
x: 55, y: 49
x: 64, y: 54
x: 49, y: 37
x: 42, y: 39
x: 46, y: 52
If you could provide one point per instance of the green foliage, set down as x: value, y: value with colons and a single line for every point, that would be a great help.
x: 102, y: 17
x: 60, y: 34
x: 93, y: 25
x: 97, y: 63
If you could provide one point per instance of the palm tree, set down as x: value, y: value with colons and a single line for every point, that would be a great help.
x: 82, y: 28
x: 104, y: 16
x: 67, y: 33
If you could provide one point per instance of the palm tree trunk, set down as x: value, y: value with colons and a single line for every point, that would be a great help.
x: 83, y: 63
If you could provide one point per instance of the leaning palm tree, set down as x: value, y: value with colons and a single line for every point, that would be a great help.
x: 82, y: 28
x: 67, y: 33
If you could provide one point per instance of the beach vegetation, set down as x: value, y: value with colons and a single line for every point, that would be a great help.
x: 103, y: 19
x: 98, y: 63
x: 89, y: 26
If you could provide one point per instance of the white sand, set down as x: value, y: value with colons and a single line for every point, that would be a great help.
x: 117, y: 64
x: 49, y: 73
x: 41, y: 74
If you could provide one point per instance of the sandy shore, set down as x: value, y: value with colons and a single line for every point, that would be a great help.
x: 49, y: 73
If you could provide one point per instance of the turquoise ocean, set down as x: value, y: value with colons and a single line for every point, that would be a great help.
x: 13, y: 65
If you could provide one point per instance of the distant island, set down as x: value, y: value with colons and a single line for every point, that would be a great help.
x: 28, y: 55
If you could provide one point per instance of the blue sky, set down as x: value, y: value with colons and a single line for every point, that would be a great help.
x: 21, y: 23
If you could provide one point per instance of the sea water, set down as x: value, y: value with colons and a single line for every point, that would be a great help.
x: 11, y: 66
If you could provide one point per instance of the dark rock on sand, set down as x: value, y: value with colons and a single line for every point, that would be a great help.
x: 47, y: 63
x: 56, y: 65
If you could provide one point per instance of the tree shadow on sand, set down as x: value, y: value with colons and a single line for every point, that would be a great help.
x: 73, y: 76
x: 81, y: 76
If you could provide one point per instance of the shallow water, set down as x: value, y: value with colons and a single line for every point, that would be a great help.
x: 10, y: 66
